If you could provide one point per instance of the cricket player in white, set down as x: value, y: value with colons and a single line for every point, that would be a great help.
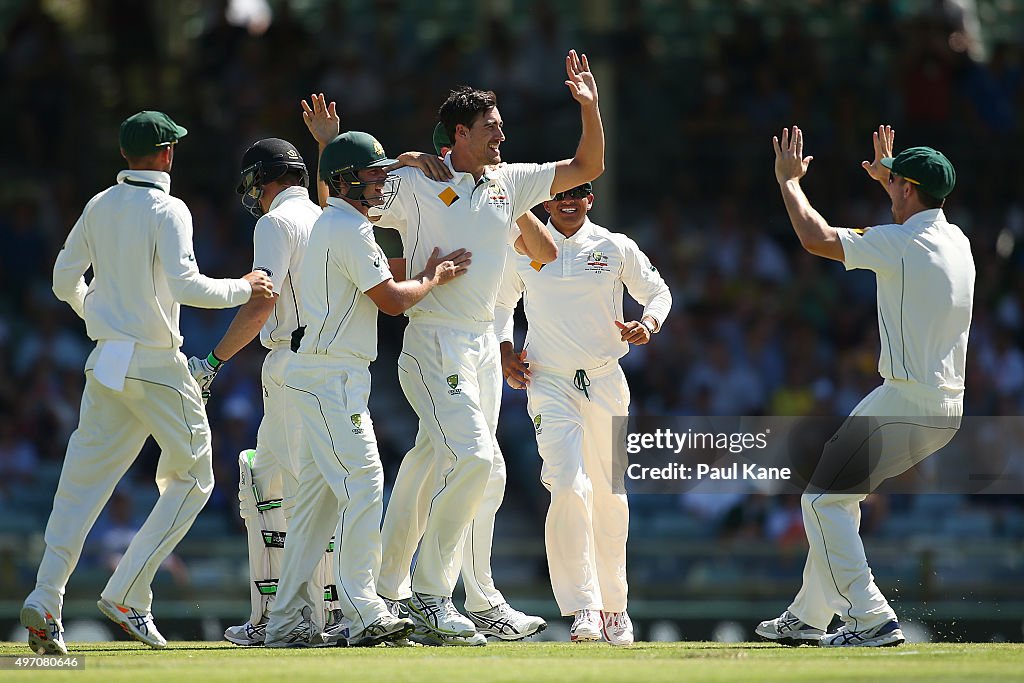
x: 925, y: 274
x: 273, y: 186
x: 137, y: 239
x: 345, y: 279
x: 576, y: 388
x: 450, y: 367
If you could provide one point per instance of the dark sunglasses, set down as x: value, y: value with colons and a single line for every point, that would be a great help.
x: 574, y: 193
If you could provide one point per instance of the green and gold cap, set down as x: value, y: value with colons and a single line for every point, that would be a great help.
x: 925, y: 167
x: 352, y: 151
x: 145, y: 132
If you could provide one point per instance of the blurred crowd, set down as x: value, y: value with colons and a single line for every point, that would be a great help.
x: 692, y: 92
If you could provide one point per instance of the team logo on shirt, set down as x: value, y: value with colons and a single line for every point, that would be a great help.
x: 453, y: 383
x: 497, y: 195
x: 448, y: 196
x: 536, y: 424
x: 598, y: 262
x: 357, y: 424
x: 537, y: 265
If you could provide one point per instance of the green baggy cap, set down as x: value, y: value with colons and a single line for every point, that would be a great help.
x: 145, y: 132
x: 925, y: 167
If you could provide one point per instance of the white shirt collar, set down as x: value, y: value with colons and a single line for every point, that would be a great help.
x: 339, y: 203
x: 584, y: 230
x: 159, y: 178
x: 459, y: 176
x: 288, y: 193
x: 926, y: 217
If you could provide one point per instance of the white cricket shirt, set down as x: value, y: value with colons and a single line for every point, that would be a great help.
x: 479, y: 216
x: 573, y: 302
x: 342, y: 261
x: 279, y: 241
x: 925, y: 275
x: 138, y: 240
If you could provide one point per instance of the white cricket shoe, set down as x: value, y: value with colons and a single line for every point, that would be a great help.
x: 617, y: 628
x: 506, y: 623
x: 387, y: 628
x: 436, y: 613
x: 586, y: 627
x: 884, y: 635
x: 139, y: 625
x: 787, y: 629
x: 305, y: 634
x: 45, y: 634
x: 248, y: 634
x: 337, y: 629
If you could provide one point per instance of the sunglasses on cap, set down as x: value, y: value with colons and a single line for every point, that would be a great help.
x: 575, y: 193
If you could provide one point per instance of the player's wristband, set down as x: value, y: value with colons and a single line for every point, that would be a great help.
x: 214, y: 361
x: 649, y: 326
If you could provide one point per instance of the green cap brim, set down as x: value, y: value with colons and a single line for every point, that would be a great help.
x: 382, y: 162
x: 887, y: 162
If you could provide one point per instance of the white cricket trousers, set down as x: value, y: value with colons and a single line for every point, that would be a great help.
x: 340, y: 491
x: 451, y: 378
x: 837, y: 578
x: 273, y: 470
x: 161, y: 399
x: 406, y: 519
x: 588, y: 520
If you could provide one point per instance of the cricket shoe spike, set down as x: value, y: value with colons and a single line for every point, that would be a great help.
x: 45, y: 635
x: 139, y: 625
x: 617, y: 628
x: 305, y: 634
x: 884, y: 635
x: 387, y: 628
x: 248, y: 634
x: 787, y: 629
x: 506, y: 623
x: 437, y: 613
x: 586, y: 626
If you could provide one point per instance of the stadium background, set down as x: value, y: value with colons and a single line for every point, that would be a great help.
x: 691, y: 92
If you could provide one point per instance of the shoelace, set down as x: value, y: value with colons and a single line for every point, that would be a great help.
x: 448, y: 607
x: 618, y: 621
x: 583, y: 617
x: 581, y: 382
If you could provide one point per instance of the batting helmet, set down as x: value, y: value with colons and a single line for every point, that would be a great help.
x: 265, y: 161
x: 349, y: 153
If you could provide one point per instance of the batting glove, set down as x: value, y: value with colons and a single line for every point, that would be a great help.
x: 204, y: 371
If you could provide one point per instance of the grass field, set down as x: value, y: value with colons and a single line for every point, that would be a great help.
x: 203, y: 662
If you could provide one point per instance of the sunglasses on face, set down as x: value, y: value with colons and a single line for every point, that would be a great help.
x: 575, y: 193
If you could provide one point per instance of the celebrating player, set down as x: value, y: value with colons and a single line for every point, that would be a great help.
x: 576, y: 388
x: 925, y: 274
x: 273, y: 187
x: 137, y: 383
x: 341, y: 482
x: 449, y: 367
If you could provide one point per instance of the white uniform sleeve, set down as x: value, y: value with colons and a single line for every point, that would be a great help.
x: 364, y: 262
x: 530, y: 184
x: 187, y: 284
x: 272, y: 249
x: 69, y: 270
x: 644, y: 282
x: 879, y: 248
x: 509, y: 293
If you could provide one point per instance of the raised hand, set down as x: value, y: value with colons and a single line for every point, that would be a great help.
x: 882, y: 141
x: 448, y: 267
x: 580, y: 80
x: 790, y: 162
x: 321, y: 119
